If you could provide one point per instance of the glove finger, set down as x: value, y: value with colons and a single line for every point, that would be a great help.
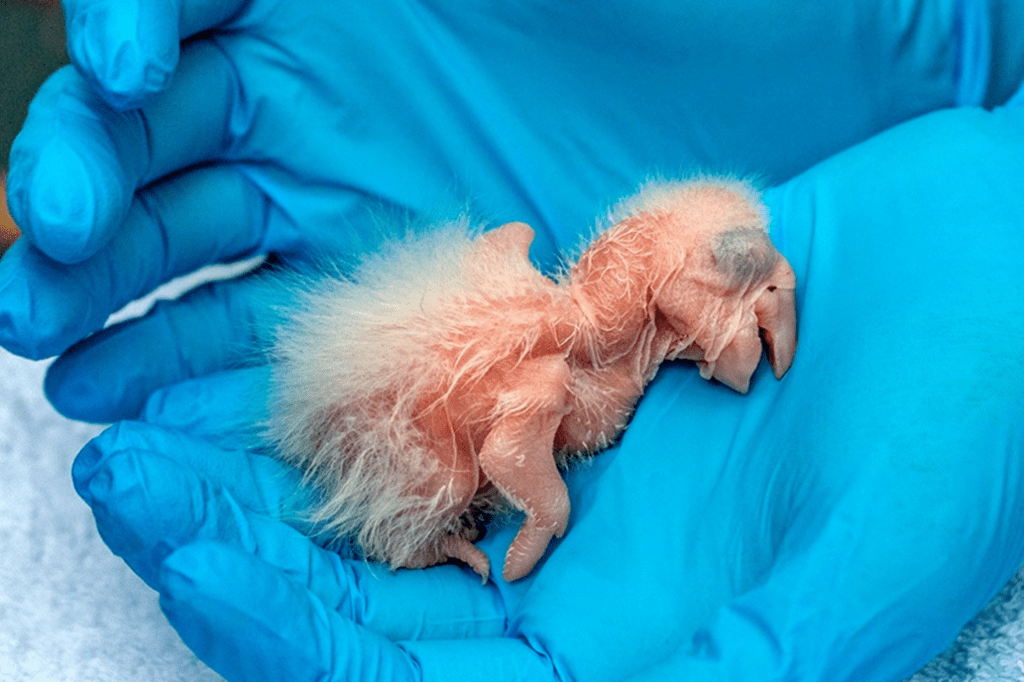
x: 209, y: 215
x: 221, y: 408
x: 77, y: 162
x: 66, y: 188
x: 153, y: 491
x: 249, y: 621
x: 128, y: 49
x: 435, y: 603
x: 213, y: 327
x: 207, y: 330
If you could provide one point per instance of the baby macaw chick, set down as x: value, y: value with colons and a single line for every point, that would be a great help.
x: 447, y: 375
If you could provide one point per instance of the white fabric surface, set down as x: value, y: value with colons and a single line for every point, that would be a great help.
x: 70, y: 611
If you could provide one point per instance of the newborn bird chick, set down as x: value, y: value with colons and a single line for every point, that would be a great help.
x: 447, y: 375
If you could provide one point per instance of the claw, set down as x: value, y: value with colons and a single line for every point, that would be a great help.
x: 460, y: 548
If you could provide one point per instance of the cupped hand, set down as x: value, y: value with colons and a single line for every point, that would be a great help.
x: 840, y: 524
x: 190, y: 132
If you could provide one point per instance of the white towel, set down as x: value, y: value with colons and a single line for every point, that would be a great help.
x: 70, y: 611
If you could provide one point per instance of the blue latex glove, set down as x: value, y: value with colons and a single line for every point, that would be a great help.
x: 277, y: 124
x: 404, y: 102
x: 841, y: 524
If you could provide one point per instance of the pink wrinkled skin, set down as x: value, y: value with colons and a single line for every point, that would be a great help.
x: 477, y: 391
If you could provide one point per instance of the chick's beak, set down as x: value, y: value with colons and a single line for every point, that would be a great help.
x: 775, y: 310
x: 776, y: 316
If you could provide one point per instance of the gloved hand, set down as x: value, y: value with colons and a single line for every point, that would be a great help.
x: 841, y: 524
x: 276, y: 125
x: 807, y: 528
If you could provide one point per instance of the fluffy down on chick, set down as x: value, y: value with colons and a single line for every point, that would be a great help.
x: 445, y: 375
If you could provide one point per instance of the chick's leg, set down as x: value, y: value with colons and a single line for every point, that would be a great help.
x: 517, y: 457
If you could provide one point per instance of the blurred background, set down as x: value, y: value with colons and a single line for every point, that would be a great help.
x: 31, y: 48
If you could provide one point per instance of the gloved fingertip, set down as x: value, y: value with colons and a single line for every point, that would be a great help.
x: 94, y: 470
x: 16, y: 309
x: 73, y: 393
x: 128, y: 63
x: 61, y: 204
x: 45, y: 306
x: 85, y: 466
